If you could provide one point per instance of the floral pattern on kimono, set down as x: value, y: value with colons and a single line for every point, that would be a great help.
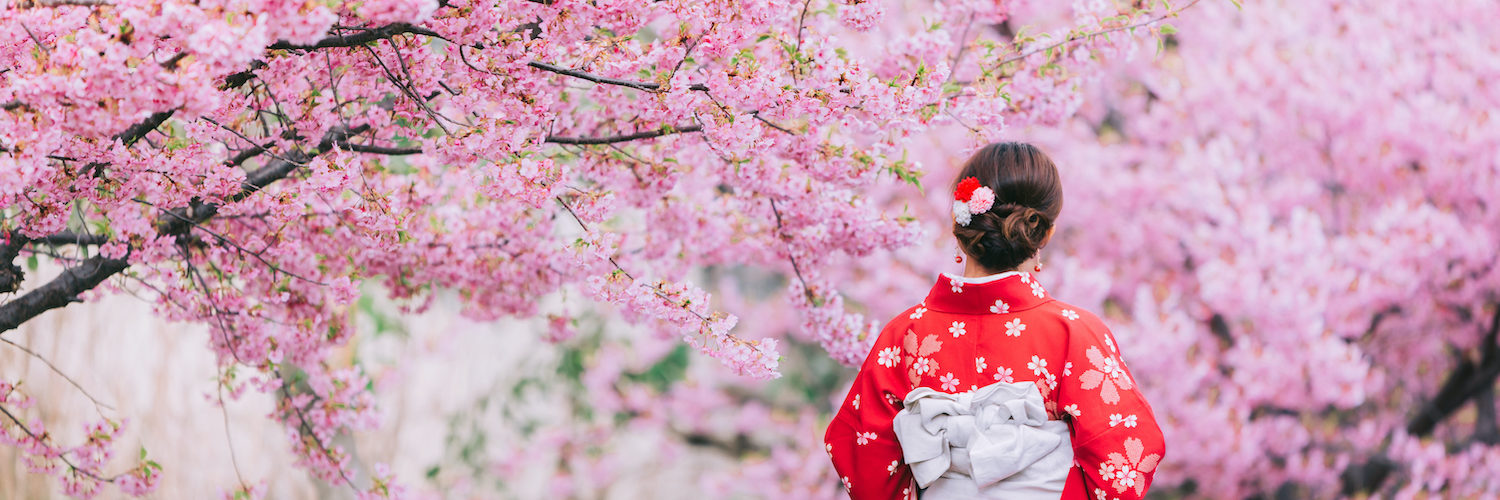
x: 969, y: 333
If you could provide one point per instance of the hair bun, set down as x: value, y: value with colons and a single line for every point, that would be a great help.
x: 1023, y: 226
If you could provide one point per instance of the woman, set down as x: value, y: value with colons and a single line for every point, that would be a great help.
x: 990, y: 388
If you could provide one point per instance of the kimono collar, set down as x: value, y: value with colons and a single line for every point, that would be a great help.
x: 997, y: 293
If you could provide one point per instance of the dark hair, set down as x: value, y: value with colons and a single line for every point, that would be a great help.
x: 1028, y: 199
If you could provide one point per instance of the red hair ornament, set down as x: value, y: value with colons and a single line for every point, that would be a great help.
x: 969, y: 199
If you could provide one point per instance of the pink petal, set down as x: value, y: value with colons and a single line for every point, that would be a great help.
x: 1091, y: 379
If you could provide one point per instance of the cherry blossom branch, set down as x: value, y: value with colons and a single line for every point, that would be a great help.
x: 10, y: 274
x: 71, y: 238
x: 664, y: 131
x: 361, y: 38
x: 1468, y: 380
x: 228, y: 437
x: 437, y: 118
x: 380, y: 150
x: 139, y: 130
x: 60, y: 456
x: 60, y: 373
x: 1085, y: 36
x: 27, y: 4
x: 64, y: 289
x: 785, y: 238
x: 1465, y: 381
x: 242, y: 250
x: 646, y: 86
x: 308, y: 431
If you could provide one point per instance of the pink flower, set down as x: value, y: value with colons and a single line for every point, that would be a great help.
x: 981, y: 201
x: 1106, y: 375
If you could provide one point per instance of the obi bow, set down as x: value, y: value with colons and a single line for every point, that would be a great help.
x: 989, y: 434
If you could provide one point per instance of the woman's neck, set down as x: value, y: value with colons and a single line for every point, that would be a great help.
x: 972, y: 269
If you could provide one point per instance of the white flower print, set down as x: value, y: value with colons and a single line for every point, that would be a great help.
x: 1127, y: 469
x: 950, y: 382
x: 923, y: 365
x: 1105, y: 376
x: 1014, y: 327
x: 957, y: 329
x: 1051, y: 379
x: 1004, y: 374
x: 1115, y: 419
x: 892, y: 467
x: 856, y: 401
x: 1112, y: 368
x: 1067, y: 368
x: 864, y: 438
x: 889, y: 356
x: 1127, y: 478
x: 1000, y: 307
x: 1037, y: 365
x: 1107, y: 471
x: 1129, y: 421
x: 1036, y: 289
x: 1073, y: 410
x: 1110, y: 343
x: 1026, y: 277
x: 1070, y: 314
x: 979, y: 364
x: 958, y: 286
x: 847, y: 486
x: 917, y: 314
x: 830, y: 448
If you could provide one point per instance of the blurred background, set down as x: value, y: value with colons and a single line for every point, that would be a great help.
x: 1287, y: 211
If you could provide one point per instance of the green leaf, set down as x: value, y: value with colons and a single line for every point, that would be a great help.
x: 1168, y: 29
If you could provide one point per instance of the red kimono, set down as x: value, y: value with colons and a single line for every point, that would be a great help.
x: 974, y: 332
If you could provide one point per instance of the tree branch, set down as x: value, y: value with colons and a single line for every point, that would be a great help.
x: 646, y: 86
x: 10, y: 273
x: 357, y: 39
x: 380, y: 150
x: 27, y: 4
x: 64, y: 289
x: 71, y: 238
x: 625, y: 138
x: 1467, y: 380
x: 139, y: 130
x: 1084, y: 36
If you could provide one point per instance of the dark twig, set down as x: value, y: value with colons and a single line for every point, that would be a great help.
x: 646, y: 86
x: 786, y: 238
x: 358, y: 39
x: 625, y: 138
x: 60, y: 373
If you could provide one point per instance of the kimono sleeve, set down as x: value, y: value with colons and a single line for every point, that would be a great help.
x: 1116, y: 440
x: 860, y: 439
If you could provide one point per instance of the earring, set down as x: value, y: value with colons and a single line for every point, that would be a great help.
x: 1038, y: 266
x: 958, y: 256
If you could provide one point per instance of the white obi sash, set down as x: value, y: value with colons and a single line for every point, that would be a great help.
x: 992, y: 442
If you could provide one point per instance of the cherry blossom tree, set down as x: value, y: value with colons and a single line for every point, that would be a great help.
x: 247, y: 164
x: 1289, y: 219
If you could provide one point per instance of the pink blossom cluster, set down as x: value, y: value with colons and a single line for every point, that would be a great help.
x: 80, y: 470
